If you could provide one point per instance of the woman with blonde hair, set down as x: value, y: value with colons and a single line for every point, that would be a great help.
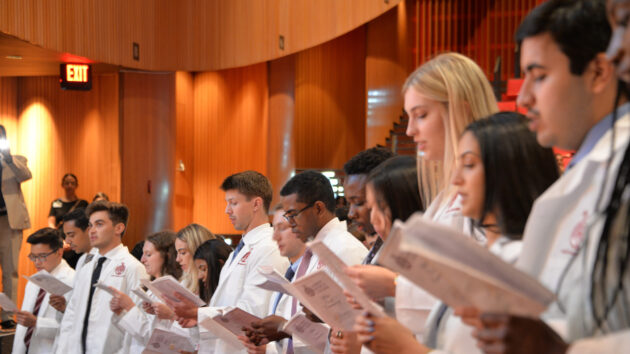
x: 441, y: 98
x: 188, y: 240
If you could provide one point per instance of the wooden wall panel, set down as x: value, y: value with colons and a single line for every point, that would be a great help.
x: 61, y: 131
x: 482, y: 30
x: 281, y: 161
x: 194, y: 35
x: 330, y: 102
x: 148, y: 152
x: 184, y: 150
x: 388, y: 62
x: 230, y: 135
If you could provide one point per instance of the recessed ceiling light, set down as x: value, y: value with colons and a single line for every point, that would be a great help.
x: 16, y: 57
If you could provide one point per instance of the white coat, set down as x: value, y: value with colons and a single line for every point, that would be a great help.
x: 560, y: 220
x: 237, y: 284
x: 140, y: 324
x: 413, y: 304
x: 451, y: 335
x: 48, y: 319
x: 336, y: 237
x: 566, y: 212
x: 122, y: 271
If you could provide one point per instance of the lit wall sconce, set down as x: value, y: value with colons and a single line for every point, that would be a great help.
x: 180, y: 166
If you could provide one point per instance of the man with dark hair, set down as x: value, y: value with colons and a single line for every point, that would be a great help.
x: 75, y: 225
x: 309, y: 203
x: 13, y: 219
x: 575, y: 102
x: 38, y: 323
x: 248, y: 196
x: 88, y: 325
x: 357, y: 170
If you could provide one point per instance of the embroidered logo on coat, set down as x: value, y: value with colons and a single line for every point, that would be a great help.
x: 120, y: 269
x: 320, y: 265
x: 577, y: 235
x: 243, y: 259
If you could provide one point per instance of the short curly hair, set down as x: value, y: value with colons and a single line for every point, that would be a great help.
x: 365, y: 161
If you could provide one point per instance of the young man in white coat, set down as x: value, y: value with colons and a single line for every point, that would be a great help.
x: 13, y: 219
x: 309, y: 204
x: 248, y: 196
x: 38, y: 323
x: 574, y: 101
x: 75, y: 227
x: 87, y: 323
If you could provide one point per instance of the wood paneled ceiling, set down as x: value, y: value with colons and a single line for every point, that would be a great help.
x: 20, y: 58
x: 195, y: 35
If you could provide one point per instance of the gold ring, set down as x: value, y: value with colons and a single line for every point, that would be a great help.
x: 339, y: 334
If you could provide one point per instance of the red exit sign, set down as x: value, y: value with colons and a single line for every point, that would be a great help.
x: 76, y: 76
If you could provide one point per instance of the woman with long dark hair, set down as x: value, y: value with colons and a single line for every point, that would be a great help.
x: 209, y: 258
x: 500, y: 171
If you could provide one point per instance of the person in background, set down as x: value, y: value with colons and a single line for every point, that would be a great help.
x: 38, y: 323
x: 186, y: 243
x: 100, y: 196
x: 61, y: 206
x: 70, y: 201
x: 13, y: 219
x: 209, y: 258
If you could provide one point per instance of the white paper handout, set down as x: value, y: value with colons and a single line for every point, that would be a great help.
x: 313, y: 334
x: 167, y: 342
x: 48, y: 282
x: 454, y: 268
x: 165, y: 287
x: 235, y: 319
x: 274, y: 280
x: 319, y: 292
x: 105, y: 287
x: 337, y: 267
x: 7, y: 304
x: 143, y: 295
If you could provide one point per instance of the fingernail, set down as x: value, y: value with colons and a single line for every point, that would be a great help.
x: 370, y: 338
x: 370, y: 323
x: 371, y: 330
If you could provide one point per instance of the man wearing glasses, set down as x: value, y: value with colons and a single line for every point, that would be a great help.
x: 309, y: 204
x: 38, y: 322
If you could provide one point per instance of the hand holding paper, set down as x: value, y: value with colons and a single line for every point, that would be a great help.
x: 48, y: 282
x: 454, y: 268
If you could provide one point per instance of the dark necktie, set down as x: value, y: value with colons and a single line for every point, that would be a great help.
x: 288, y: 275
x: 95, y: 275
x: 29, y: 331
x: 237, y: 250
x: 377, y: 246
x: 306, y: 260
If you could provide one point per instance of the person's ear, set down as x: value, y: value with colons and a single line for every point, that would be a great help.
x: 603, y: 72
x: 119, y: 228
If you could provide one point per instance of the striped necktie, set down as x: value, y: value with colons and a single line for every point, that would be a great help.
x: 29, y: 331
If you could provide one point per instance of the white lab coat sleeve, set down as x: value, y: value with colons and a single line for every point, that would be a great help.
x: 65, y: 328
x: 46, y: 327
x: 611, y: 343
x: 136, y: 323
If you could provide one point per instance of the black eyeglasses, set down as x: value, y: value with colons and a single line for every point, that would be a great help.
x: 40, y: 257
x: 290, y: 217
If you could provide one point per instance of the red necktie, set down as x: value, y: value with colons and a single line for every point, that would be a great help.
x: 30, y: 330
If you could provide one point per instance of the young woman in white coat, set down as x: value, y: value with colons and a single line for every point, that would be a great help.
x: 501, y: 170
x: 441, y: 98
x: 158, y: 257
